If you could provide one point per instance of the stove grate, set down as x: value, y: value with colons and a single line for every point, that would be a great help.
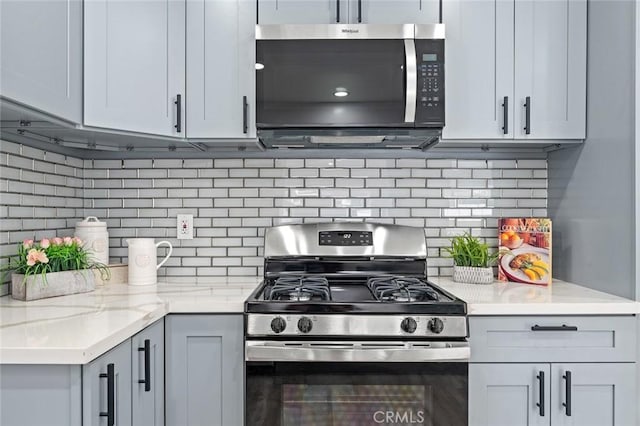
x: 299, y: 289
x: 401, y: 289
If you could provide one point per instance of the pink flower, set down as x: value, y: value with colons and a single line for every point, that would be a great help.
x: 57, y: 241
x: 34, y: 256
x: 45, y: 243
x: 77, y: 240
x: 27, y: 244
x: 67, y: 241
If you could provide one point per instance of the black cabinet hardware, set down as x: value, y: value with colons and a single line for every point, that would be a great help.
x: 540, y: 404
x: 110, y: 414
x: 338, y: 11
x: 527, y: 113
x: 359, y: 11
x: 178, y: 104
x: 147, y: 365
x: 562, y: 327
x: 245, y: 115
x: 567, y: 391
x: 505, y: 115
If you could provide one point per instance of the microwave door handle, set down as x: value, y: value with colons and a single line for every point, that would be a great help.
x: 411, y: 77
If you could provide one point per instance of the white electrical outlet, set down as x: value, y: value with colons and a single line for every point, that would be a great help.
x: 185, y: 227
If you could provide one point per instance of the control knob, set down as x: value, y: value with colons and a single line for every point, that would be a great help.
x: 435, y: 325
x: 408, y: 325
x: 278, y: 324
x: 305, y: 324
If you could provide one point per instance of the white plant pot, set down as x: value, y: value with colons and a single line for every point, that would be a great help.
x: 472, y: 275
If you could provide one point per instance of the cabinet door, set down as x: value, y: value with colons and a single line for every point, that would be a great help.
x: 394, y: 11
x: 550, y: 68
x: 95, y: 387
x: 134, y: 64
x: 221, y: 55
x: 599, y: 395
x: 147, y: 372
x: 41, y: 55
x: 478, y: 69
x: 302, y: 12
x: 205, y: 370
x: 508, y: 394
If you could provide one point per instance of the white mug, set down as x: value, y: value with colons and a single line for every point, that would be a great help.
x: 142, y: 260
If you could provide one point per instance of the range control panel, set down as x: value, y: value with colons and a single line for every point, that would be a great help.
x: 430, y: 96
x: 345, y: 238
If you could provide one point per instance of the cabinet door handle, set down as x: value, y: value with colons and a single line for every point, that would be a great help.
x: 111, y: 401
x: 527, y: 115
x: 338, y: 11
x: 567, y: 389
x: 505, y: 115
x: 147, y: 365
x: 540, y: 404
x: 359, y: 11
x: 245, y: 115
x: 178, y: 104
x: 562, y: 327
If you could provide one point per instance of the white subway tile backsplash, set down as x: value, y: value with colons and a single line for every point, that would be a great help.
x: 234, y: 200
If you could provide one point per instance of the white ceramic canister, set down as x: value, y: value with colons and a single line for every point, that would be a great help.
x: 95, y: 238
x: 143, y: 254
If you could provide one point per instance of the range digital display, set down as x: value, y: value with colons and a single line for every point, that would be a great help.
x: 345, y: 238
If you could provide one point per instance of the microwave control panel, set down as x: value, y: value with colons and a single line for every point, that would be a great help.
x: 430, y: 93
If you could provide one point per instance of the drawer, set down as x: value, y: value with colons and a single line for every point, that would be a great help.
x: 553, y: 338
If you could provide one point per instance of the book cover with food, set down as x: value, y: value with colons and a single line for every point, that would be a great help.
x: 525, y: 250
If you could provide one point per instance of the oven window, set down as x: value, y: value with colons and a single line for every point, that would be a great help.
x: 330, y: 83
x: 356, y: 394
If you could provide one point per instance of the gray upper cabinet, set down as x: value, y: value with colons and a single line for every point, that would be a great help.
x: 348, y: 11
x: 550, y: 68
x: 531, y: 54
x: 41, y: 55
x: 147, y: 371
x: 221, y: 69
x: 205, y: 370
x: 134, y: 65
x: 108, y: 378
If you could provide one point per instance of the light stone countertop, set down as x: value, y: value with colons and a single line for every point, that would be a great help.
x: 77, y: 329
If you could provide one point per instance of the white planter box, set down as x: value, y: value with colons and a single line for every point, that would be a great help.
x: 54, y: 284
x: 472, y: 275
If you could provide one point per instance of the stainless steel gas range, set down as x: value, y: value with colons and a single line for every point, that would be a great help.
x: 346, y: 329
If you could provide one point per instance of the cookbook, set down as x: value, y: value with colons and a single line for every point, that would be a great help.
x: 525, y: 250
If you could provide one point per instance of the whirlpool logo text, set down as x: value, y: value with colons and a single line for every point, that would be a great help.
x: 398, y: 417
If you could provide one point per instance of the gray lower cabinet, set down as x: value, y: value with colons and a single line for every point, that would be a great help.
x: 106, y: 388
x: 40, y: 395
x: 41, y: 55
x: 147, y: 372
x: 574, y: 394
x: 204, y: 367
x: 507, y: 394
x: 221, y: 56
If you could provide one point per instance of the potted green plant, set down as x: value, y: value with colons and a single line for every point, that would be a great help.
x: 52, y: 267
x: 471, y: 259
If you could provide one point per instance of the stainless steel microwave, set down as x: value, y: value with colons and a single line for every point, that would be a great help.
x: 350, y: 85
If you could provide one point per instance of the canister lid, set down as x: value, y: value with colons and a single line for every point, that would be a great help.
x: 91, y: 222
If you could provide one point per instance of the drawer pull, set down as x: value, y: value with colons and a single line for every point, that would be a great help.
x: 562, y: 327
x: 567, y: 384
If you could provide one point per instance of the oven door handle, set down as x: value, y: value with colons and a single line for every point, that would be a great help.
x: 296, y: 351
x: 411, y: 74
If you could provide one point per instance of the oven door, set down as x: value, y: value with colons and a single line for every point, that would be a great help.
x: 356, y: 383
x: 310, y: 76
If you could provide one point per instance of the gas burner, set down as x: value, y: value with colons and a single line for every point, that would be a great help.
x: 298, y: 289
x: 401, y: 289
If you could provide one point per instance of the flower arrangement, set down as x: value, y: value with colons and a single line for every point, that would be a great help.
x: 53, y: 255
